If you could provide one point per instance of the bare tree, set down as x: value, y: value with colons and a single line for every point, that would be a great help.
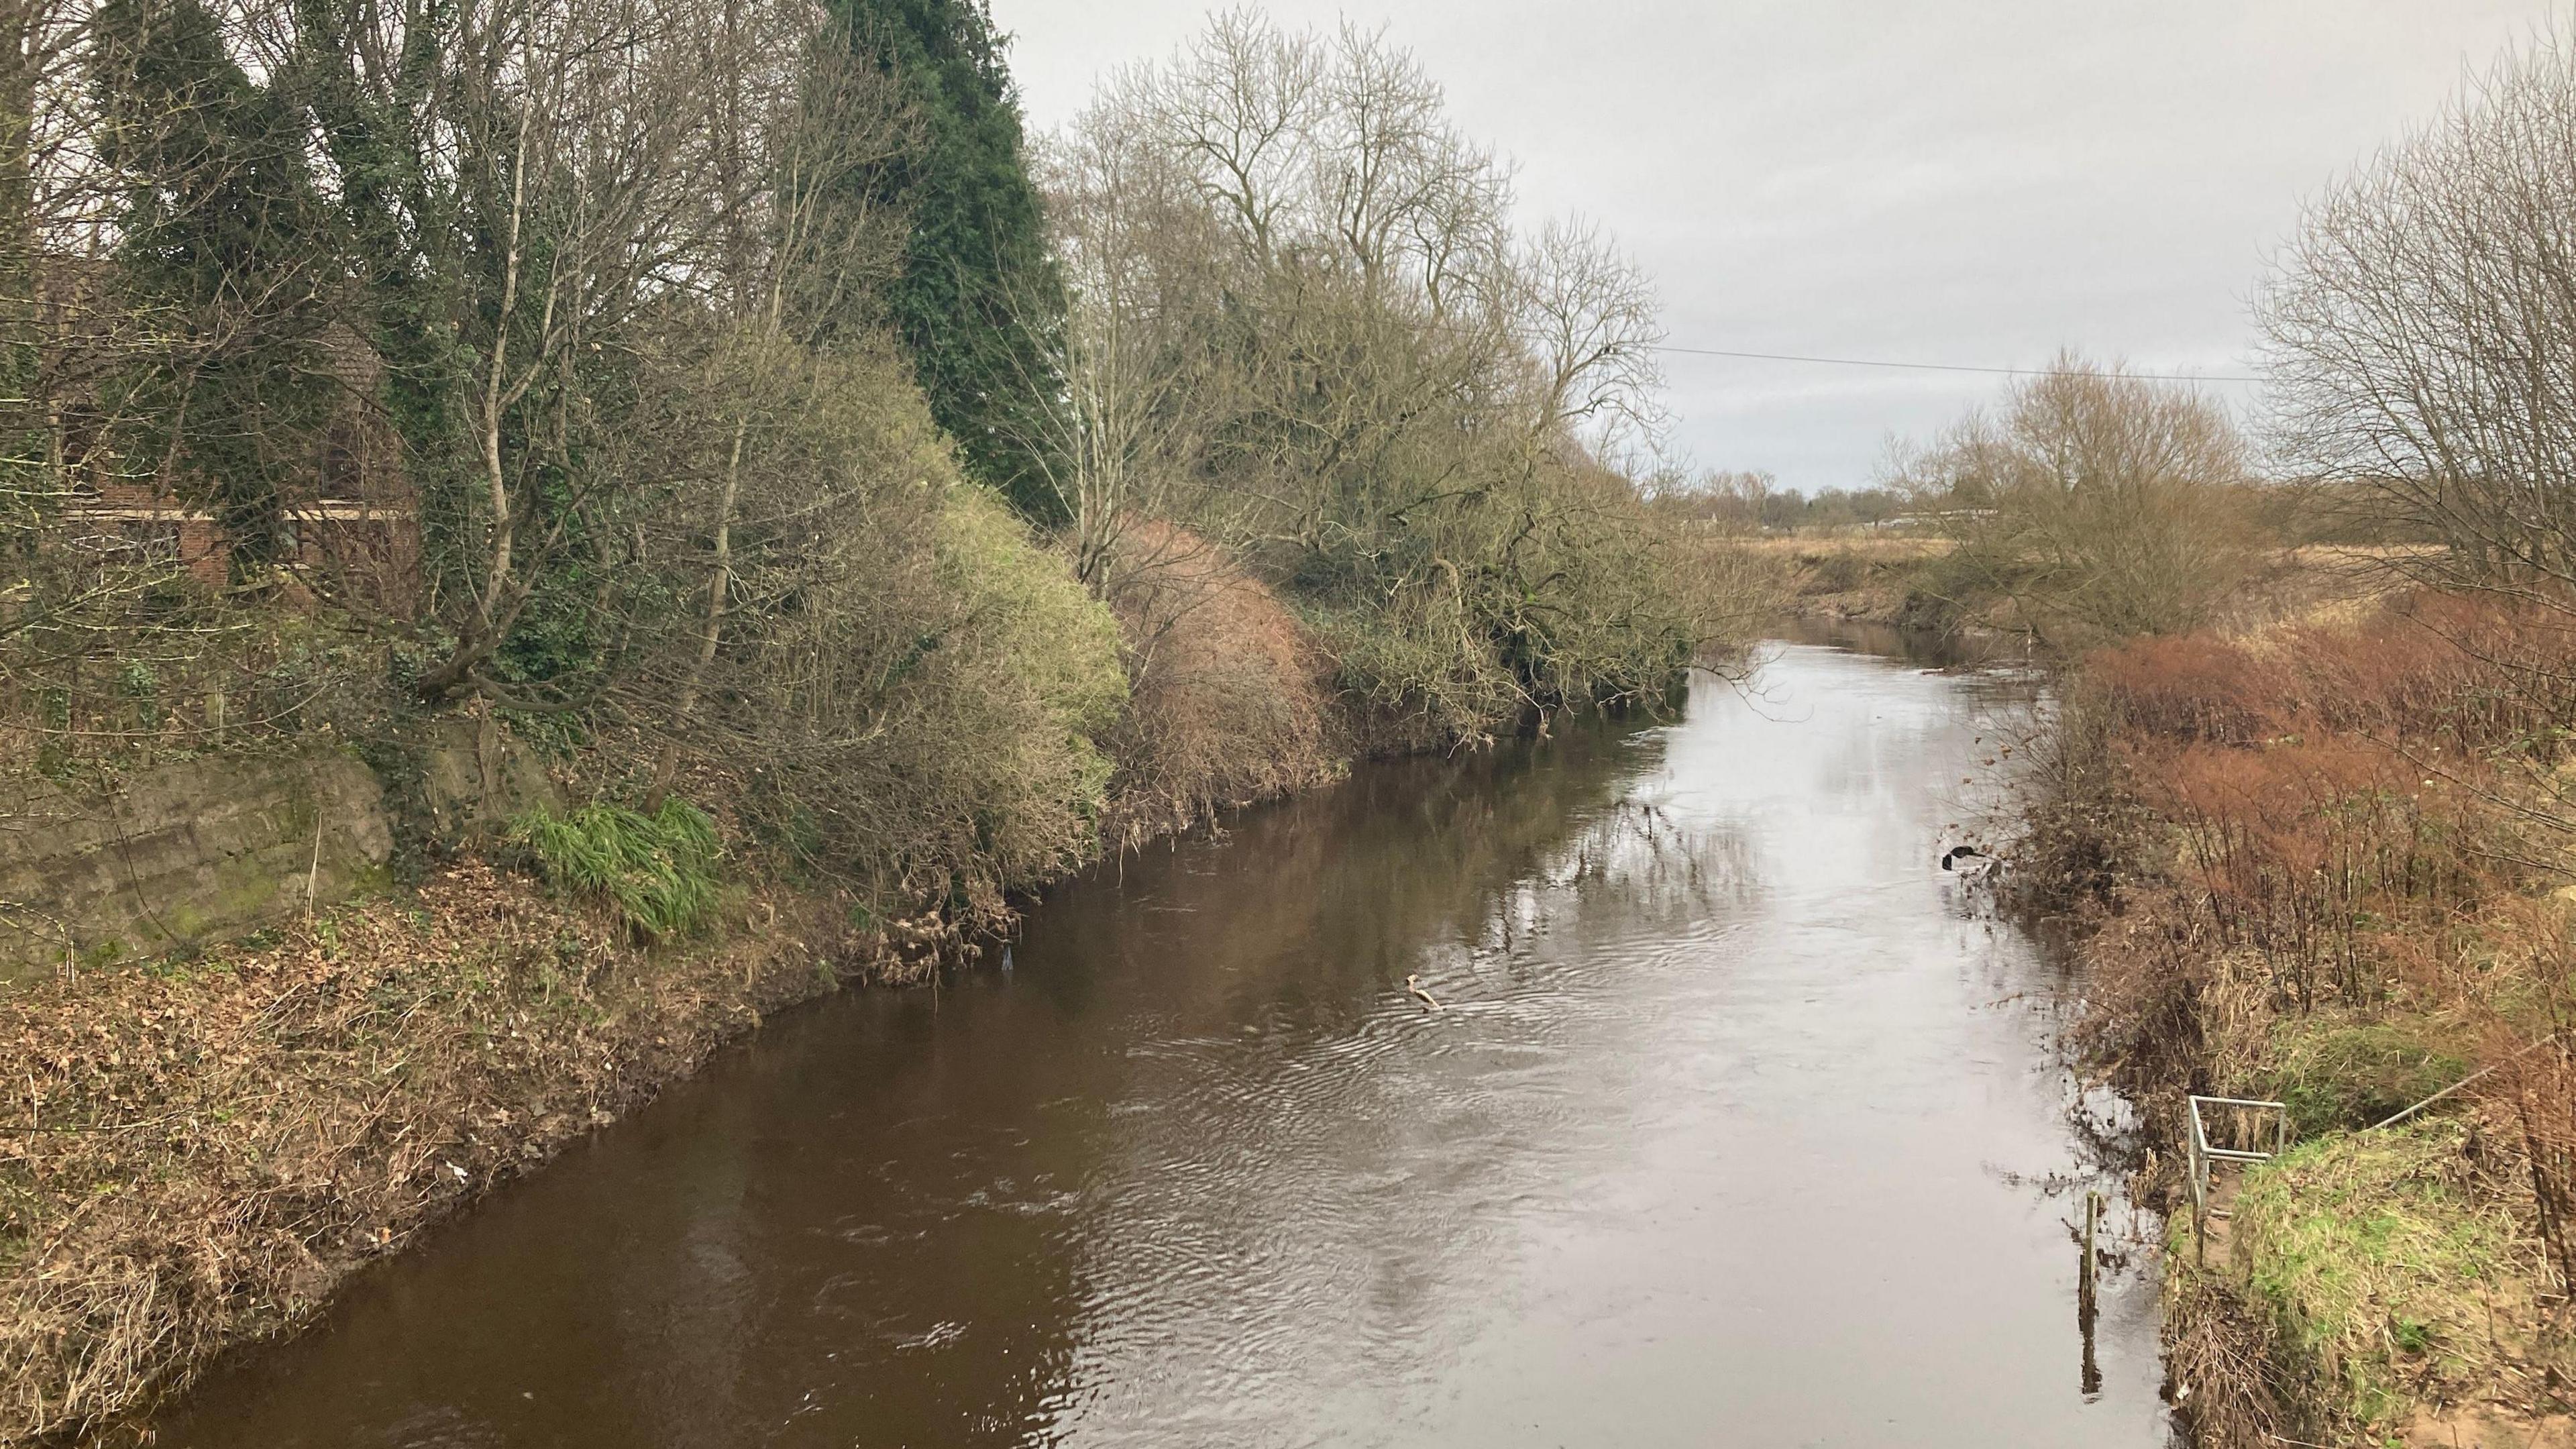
x: 2422, y: 329
x: 1307, y: 328
x: 1237, y: 114
x: 2101, y: 504
x: 801, y: 231
x: 1592, y: 316
x: 582, y: 140
x: 1123, y: 438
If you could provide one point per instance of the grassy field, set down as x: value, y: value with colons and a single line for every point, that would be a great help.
x: 1897, y: 579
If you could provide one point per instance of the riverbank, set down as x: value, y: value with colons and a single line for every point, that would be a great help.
x: 203, y: 1147
x: 828, y: 568
x: 223, y: 1139
x: 1199, y: 1170
x: 2320, y: 862
x: 1899, y: 580
x: 1851, y: 577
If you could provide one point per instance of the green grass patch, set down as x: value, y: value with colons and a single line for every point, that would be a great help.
x: 2337, y: 1074
x: 2377, y: 1260
x: 658, y: 870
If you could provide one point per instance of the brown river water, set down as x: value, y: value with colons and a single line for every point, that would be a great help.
x: 1740, y: 1125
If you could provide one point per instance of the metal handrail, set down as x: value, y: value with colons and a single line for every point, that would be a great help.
x: 2203, y: 1154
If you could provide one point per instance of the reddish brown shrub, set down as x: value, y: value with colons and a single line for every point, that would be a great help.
x: 2434, y: 668
x: 2429, y: 669
x: 2518, y: 981
x: 2330, y: 789
x: 2304, y: 850
x: 2189, y: 687
x: 1228, y: 700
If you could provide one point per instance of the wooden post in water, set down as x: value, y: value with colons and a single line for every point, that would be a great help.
x: 2087, y: 1284
x: 2092, y: 1226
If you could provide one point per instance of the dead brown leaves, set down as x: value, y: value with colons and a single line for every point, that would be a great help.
x: 196, y: 1154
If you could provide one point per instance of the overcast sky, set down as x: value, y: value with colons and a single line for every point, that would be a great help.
x: 1953, y: 181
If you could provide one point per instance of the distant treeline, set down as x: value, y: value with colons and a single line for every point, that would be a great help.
x: 1754, y: 502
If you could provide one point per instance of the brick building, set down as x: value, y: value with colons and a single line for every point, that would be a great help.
x: 346, y: 530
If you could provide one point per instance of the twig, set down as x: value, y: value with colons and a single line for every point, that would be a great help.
x: 34, y: 1128
x: 2464, y: 1081
x: 313, y: 873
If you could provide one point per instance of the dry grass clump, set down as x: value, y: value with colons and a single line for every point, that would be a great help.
x: 2314, y: 580
x: 1228, y: 698
x: 2219, y: 1363
x: 194, y: 1154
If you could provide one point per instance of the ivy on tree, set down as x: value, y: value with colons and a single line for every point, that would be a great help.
x: 220, y: 230
x: 979, y: 303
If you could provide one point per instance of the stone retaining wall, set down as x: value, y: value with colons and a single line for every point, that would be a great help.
x: 183, y: 853
x: 202, y: 850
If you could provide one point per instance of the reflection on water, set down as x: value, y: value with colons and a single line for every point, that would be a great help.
x: 1737, y: 1127
x: 1951, y: 648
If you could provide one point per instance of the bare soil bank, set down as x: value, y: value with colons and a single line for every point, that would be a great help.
x: 1859, y: 578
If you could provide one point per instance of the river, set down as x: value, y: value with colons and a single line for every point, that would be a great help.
x: 1740, y: 1123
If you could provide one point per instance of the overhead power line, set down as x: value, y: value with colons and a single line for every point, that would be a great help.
x: 1938, y: 366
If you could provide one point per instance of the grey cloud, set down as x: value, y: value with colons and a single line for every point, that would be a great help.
x: 1952, y: 182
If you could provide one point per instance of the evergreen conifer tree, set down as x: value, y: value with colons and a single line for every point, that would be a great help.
x: 980, y: 300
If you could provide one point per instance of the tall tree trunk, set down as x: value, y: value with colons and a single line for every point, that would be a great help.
x: 711, y: 634
x: 20, y: 365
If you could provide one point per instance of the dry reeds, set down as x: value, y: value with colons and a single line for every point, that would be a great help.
x: 2326, y: 790
x: 2218, y: 1363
